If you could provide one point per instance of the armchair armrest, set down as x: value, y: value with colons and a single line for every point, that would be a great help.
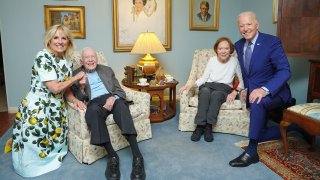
x: 184, y: 99
x: 72, y: 107
x: 142, y: 99
x: 243, y: 102
x: 76, y: 121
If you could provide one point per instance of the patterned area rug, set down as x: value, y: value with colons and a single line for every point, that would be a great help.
x: 300, y: 163
x: 3, y: 99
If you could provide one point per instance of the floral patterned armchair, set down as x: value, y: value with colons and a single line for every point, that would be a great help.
x: 79, y: 135
x: 233, y: 119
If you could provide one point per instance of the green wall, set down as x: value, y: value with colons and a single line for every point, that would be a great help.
x: 22, y: 29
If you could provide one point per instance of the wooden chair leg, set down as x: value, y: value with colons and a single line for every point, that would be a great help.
x: 283, y: 129
x: 313, y: 143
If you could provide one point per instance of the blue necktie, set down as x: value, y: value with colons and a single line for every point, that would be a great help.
x: 247, y: 57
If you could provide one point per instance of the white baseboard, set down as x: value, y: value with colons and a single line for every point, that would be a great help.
x: 12, y: 109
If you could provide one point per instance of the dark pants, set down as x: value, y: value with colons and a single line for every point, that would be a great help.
x: 211, y: 97
x: 96, y: 116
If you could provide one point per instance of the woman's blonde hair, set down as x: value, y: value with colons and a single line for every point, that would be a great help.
x: 51, y: 32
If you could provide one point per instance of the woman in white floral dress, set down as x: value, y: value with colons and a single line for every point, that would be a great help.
x: 40, y: 128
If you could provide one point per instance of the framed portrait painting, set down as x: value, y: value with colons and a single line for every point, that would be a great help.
x: 204, y: 15
x: 71, y: 16
x: 131, y: 17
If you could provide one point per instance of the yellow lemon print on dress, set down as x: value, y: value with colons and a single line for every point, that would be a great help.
x: 58, y: 96
x: 67, y: 78
x: 45, y: 142
x: 54, y: 136
x: 45, y: 121
x: 63, y: 119
x: 58, y: 130
x: 24, y: 103
x: 63, y: 105
x: 18, y: 115
x: 42, y: 155
x: 33, y: 121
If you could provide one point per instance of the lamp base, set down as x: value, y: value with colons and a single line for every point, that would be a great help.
x: 149, y: 64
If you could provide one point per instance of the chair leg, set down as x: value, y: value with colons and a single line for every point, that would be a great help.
x: 283, y: 129
x: 313, y: 143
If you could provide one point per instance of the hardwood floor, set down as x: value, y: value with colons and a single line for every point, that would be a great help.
x: 6, y: 121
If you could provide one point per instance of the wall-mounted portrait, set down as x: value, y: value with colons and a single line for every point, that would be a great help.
x: 131, y: 17
x: 71, y: 16
x: 204, y: 15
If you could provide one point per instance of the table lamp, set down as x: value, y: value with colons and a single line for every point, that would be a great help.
x: 148, y: 43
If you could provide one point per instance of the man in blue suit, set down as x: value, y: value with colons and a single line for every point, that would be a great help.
x: 265, y: 70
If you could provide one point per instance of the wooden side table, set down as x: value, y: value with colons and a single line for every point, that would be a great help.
x: 166, y: 109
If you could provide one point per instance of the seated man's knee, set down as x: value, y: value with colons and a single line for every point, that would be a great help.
x: 264, y: 103
x: 93, y: 108
x: 120, y: 103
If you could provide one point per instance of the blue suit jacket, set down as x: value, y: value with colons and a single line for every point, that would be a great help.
x: 269, y: 66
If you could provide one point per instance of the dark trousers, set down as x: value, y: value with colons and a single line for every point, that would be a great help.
x: 211, y: 97
x: 96, y: 116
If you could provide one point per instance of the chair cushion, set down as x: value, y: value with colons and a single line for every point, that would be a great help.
x: 311, y: 110
x: 193, y: 102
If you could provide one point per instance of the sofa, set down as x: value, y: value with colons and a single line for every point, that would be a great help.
x: 232, y: 119
x: 79, y: 135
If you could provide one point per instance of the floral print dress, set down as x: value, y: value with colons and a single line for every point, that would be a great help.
x: 40, y: 128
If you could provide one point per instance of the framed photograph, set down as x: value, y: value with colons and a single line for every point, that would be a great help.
x: 71, y: 16
x: 132, y: 17
x: 204, y: 15
x: 275, y: 12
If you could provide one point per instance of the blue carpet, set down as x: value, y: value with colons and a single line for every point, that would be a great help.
x: 170, y: 154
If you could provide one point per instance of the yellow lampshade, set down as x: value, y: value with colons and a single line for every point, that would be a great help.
x: 148, y: 43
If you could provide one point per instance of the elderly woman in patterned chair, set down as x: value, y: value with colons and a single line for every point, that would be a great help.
x: 215, y: 88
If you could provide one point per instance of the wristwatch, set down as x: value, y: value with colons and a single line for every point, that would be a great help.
x: 237, y: 91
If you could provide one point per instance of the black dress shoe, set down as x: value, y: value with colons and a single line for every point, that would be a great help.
x: 138, y: 172
x: 208, y: 134
x: 244, y: 160
x: 197, y: 133
x: 113, y: 169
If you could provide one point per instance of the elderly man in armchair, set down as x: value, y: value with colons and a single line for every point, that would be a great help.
x: 104, y: 95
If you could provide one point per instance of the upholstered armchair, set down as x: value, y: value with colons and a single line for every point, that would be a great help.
x: 79, y: 135
x: 233, y: 118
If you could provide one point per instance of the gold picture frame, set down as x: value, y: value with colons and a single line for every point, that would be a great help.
x: 129, y: 21
x: 210, y: 22
x: 275, y: 11
x: 71, y: 16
